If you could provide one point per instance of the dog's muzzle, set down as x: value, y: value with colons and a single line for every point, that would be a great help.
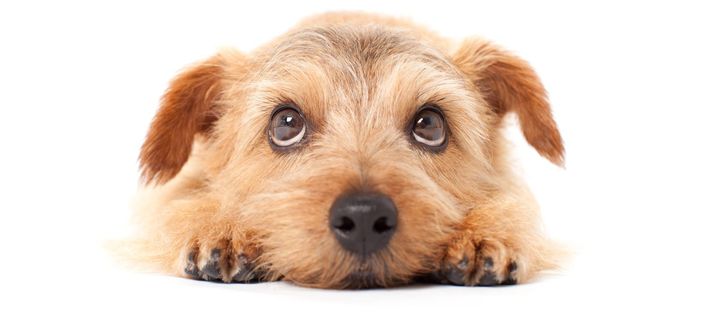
x: 363, y: 223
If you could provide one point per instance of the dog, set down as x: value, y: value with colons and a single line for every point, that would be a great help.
x: 354, y: 151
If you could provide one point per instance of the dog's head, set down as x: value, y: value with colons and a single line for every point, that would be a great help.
x: 351, y: 152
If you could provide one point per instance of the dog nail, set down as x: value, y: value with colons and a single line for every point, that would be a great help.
x: 245, y: 273
x: 488, y: 263
x: 242, y: 276
x: 215, y: 254
x: 510, y: 281
x: 455, y: 275
x: 191, y: 268
x: 513, y: 267
x: 488, y: 279
x: 212, y: 269
x: 192, y: 257
x: 512, y: 270
x: 463, y: 264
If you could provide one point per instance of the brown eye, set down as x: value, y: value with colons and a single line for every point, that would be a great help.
x: 429, y: 127
x: 287, y: 127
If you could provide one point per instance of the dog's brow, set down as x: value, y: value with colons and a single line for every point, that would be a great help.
x: 365, y: 46
x: 353, y: 62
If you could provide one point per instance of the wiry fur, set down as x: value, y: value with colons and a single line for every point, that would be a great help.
x: 359, y: 79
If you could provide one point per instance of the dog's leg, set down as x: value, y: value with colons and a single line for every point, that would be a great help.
x: 221, y: 253
x: 191, y: 235
x: 499, y: 243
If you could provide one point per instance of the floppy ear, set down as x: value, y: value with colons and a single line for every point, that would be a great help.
x: 509, y: 84
x: 187, y: 108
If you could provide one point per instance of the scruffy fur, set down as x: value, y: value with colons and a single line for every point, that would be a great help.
x: 221, y: 204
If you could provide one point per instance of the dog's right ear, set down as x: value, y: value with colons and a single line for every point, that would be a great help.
x: 188, y: 107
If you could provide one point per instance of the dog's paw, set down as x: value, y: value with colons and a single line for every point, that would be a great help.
x: 221, y: 261
x: 483, y: 263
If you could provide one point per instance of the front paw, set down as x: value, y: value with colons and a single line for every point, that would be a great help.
x: 221, y: 261
x: 486, y: 262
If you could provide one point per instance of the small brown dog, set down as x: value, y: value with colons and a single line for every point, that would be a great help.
x: 354, y: 151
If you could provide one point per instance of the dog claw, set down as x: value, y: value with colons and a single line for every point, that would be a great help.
x: 212, y: 270
x: 488, y: 263
x: 191, y: 266
x: 512, y: 272
x: 488, y: 279
x: 456, y: 274
x: 245, y: 270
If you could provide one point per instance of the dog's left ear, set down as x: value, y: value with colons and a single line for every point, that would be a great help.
x: 509, y: 84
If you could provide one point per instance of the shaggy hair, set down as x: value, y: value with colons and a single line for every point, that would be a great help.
x: 221, y: 204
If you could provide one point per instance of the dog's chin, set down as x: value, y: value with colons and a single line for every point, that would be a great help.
x: 367, y: 280
x: 363, y: 277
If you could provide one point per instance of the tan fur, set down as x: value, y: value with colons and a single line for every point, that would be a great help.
x: 359, y: 79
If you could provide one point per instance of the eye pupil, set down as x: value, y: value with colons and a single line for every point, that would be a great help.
x: 287, y: 127
x: 424, y: 122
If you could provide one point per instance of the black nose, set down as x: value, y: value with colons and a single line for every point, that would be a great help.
x: 363, y: 222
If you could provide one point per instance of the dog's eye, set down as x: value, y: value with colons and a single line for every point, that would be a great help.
x: 287, y: 127
x: 429, y: 127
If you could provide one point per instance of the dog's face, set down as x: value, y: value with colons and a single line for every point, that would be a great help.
x: 349, y: 153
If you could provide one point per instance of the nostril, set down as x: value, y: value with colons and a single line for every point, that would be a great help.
x: 346, y: 224
x: 382, y: 225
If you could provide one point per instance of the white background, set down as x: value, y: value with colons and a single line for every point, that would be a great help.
x: 79, y: 83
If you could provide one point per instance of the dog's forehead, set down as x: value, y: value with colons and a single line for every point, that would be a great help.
x: 372, y: 67
x: 352, y: 53
x: 361, y: 43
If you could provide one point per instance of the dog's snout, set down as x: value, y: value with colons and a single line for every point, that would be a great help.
x: 363, y: 223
